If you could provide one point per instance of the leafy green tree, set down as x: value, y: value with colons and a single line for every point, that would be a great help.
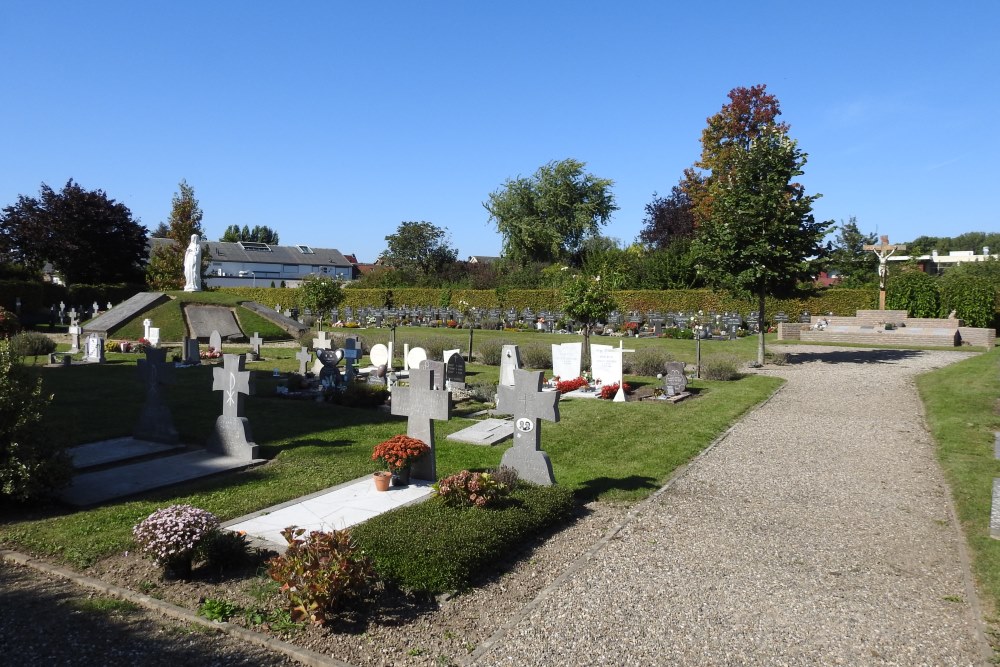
x: 857, y: 267
x: 915, y: 292
x: 673, y: 267
x: 547, y: 218
x: 762, y: 238
x: 668, y: 219
x: 750, y: 113
x: 259, y: 234
x: 588, y: 300
x: 31, y: 462
x: 419, y: 248
x: 161, y: 231
x: 166, y: 263
x: 321, y: 294
x: 88, y: 237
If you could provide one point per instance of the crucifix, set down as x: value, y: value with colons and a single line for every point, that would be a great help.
x: 232, y: 435
x: 155, y: 422
x: 883, y: 251
x: 422, y: 404
x: 530, y: 405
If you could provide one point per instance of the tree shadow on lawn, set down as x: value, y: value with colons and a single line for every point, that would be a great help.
x: 592, y: 489
x: 859, y: 356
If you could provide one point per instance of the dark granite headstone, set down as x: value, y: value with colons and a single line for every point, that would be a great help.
x: 232, y: 435
x: 675, y: 382
x: 155, y: 421
x: 455, y: 373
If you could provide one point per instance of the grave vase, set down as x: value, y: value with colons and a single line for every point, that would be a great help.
x: 401, y: 477
x: 382, y: 480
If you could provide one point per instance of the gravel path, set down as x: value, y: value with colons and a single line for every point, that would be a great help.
x: 818, y: 532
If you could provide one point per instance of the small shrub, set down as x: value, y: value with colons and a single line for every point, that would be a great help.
x: 649, y: 362
x: 32, y: 344
x: 8, y: 323
x: 399, y: 451
x: 319, y: 572
x: 358, y: 395
x: 722, y: 367
x: 171, y: 535
x: 225, y: 549
x: 436, y: 345
x: 218, y: 610
x: 507, y: 476
x: 491, y: 351
x: 478, y: 489
x: 536, y: 355
x: 484, y: 392
x: 776, y: 358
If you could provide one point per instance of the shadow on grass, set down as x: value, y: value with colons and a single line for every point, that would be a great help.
x: 853, y: 356
x: 592, y: 489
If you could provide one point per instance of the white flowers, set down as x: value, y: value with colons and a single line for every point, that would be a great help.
x: 173, y: 532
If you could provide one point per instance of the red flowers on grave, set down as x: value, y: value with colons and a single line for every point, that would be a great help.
x: 608, y: 391
x: 566, y: 386
x: 399, y: 451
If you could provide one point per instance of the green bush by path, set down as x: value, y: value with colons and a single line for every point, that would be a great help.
x: 960, y: 404
x: 434, y: 548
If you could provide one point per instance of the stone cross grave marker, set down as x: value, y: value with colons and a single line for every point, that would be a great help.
x: 529, y: 405
x: 215, y: 341
x: 232, y: 435
x: 94, y: 308
x: 353, y: 351
x: 455, y: 371
x: 510, y: 361
x: 155, y: 422
x: 437, y: 369
x: 95, y: 349
x: 322, y: 342
x: 74, y: 331
x: 303, y: 356
x: 675, y: 382
x: 255, y: 342
x: 192, y: 355
x: 566, y: 360
x: 146, y: 323
x: 421, y: 404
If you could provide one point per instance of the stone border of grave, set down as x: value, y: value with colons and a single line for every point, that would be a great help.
x: 302, y: 655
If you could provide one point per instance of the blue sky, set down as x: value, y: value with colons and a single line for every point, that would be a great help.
x: 332, y: 122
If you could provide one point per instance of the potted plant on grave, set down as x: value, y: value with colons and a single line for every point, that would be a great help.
x: 397, y: 454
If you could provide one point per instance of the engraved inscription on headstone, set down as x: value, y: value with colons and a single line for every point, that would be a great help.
x: 232, y: 435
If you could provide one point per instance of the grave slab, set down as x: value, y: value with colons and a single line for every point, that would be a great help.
x: 487, y: 432
x: 116, y: 450
x: 125, y: 311
x: 293, y: 327
x: 203, y: 320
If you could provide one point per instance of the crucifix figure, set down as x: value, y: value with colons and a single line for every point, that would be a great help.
x: 883, y: 251
x: 155, y: 422
x: 232, y: 430
x: 422, y: 404
x: 530, y: 405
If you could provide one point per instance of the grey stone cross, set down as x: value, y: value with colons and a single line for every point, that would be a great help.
x: 529, y: 405
x: 422, y: 404
x: 322, y: 342
x: 73, y: 317
x: 303, y: 356
x: 255, y: 343
x: 234, y: 382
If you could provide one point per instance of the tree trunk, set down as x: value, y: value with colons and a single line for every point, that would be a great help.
x: 763, y: 328
x: 586, y: 346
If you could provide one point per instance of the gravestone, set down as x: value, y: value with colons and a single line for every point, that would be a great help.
x: 94, y: 352
x: 146, y: 323
x: 805, y: 317
x: 378, y: 375
x: 487, y: 432
x: 215, y: 341
x: 780, y: 317
x: 566, y: 360
x: 255, y: 342
x: 606, y: 364
x: 74, y: 333
x: 154, y: 336
x: 303, y: 356
x: 414, y: 356
x: 455, y: 371
x: 675, y: 382
x: 510, y: 360
x: 447, y: 354
x: 421, y: 404
x: 379, y: 355
x: 529, y: 406
x: 437, y: 369
x: 353, y: 351
x: 232, y: 435
x: 94, y: 309
x: 191, y: 353
x: 327, y: 371
x: 322, y: 342
x: 155, y: 422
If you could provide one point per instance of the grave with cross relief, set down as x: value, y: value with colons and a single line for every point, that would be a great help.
x: 232, y: 435
x: 155, y: 422
x: 421, y: 404
x: 529, y: 405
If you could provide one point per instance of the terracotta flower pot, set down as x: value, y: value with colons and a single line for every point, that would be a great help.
x: 382, y: 480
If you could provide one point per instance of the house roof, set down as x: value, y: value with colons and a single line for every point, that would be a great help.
x: 267, y: 254
x: 483, y: 259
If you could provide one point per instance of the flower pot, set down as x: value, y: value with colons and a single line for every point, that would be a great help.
x: 401, y: 477
x: 382, y: 480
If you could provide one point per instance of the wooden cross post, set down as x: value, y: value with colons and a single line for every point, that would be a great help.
x: 421, y: 404
x: 883, y: 251
x: 530, y: 405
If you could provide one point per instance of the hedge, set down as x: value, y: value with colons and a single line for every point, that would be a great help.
x: 40, y: 296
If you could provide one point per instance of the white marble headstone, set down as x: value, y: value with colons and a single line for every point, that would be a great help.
x: 606, y: 363
x: 566, y: 360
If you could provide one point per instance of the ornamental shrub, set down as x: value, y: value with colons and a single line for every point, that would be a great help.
x: 722, y: 367
x: 225, y: 549
x: 477, y: 489
x: 319, y: 572
x: 972, y: 297
x: 31, y: 462
x: 399, y: 451
x: 647, y: 361
x: 32, y: 344
x: 915, y: 292
x: 170, y: 536
x: 608, y: 391
x: 537, y: 355
x: 357, y: 395
x: 491, y: 351
x: 8, y: 323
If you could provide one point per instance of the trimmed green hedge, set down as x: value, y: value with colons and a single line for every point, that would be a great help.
x: 39, y: 296
x: 433, y: 548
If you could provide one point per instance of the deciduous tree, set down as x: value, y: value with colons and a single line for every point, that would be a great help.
x: 587, y: 300
x: 856, y: 266
x: 166, y: 263
x: 321, y: 294
x: 547, y: 217
x: 668, y: 219
x: 259, y: 234
x: 419, y: 248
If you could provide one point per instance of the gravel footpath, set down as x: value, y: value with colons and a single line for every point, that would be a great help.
x: 819, y: 531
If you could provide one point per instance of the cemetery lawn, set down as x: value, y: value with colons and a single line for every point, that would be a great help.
x: 960, y: 401
x: 600, y: 450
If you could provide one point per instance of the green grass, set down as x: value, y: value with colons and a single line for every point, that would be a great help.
x: 600, y: 450
x: 100, y: 605
x: 169, y: 318
x: 961, y: 407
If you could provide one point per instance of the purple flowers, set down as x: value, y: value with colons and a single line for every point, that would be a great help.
x: 173, y: 533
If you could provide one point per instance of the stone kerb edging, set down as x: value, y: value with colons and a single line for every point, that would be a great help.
x: 487, y: 645
x: 301, y: 655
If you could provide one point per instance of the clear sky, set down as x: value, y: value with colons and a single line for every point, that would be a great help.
x: 332, y: 122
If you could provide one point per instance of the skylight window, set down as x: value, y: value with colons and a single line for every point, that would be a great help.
x: 305, y: 250
x: 253, y: 246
